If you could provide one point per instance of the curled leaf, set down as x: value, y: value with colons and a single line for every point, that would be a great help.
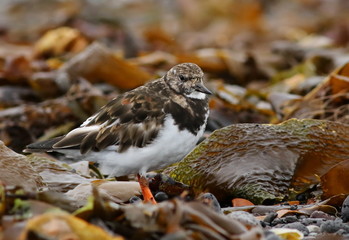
x: 63, y: 226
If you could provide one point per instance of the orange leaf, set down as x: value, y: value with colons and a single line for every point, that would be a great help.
x: 335, y: 181
x: 240, y: 202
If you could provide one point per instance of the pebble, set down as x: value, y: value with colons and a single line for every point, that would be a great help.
x: 244, y: 217
x: 345, y: 210
x: 320, y: 214
x: 210, y: 200
x: 270, y: 217
x: 290, y: 219
x: 299, y: 226
x: 313, y: 229
x: 161, y: 196
x: 135, y: 199
x: 312, y: 221
x: 271, y: 236
x: 332, y: 226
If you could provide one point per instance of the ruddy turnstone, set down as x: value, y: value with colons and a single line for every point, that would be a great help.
x: 144, y: 129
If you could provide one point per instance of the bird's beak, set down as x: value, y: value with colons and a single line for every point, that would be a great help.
x: 201, y: 88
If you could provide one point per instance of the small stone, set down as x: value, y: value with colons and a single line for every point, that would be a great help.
x: 161, y: 196
x: 294, y: 207
x: 210, y: 200
x: 313, y: 229
x: 333, y: 226
x: 271, y: 236
x: 345, y: 210
x: 341, y: 232
x: 321, y: 214
x: 277, y: 221
x: 135, y: 199
x: 244, y: 217
x: 270, y: 217
x: 299, y: 226
x: 312, y: 221
x: 290, y: 219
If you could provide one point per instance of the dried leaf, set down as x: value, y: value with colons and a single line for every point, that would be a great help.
x: 60, y: 41
x: 63, y: 226
x: 96, y: 63
x: 335, y: 181
x: 16, y: 70
x: 327, y: 101
x: 240, y: 202
x: 56, y: 174
x: 15, y: 170
x: 44, y: 84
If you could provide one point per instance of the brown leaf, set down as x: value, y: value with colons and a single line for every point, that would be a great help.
x: 60, y: 41
x: 16, y: 69
x: 339, y: 80
x: 335, y: 181
x: 240, y: 202
x: 15, y: 170
x: 327, y: 101
x: 44, y: 84
x: 96, y: 63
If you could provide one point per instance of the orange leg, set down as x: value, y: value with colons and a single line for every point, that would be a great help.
x: 147, y: 195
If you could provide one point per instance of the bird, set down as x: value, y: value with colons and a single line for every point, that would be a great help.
x: 144, y: 129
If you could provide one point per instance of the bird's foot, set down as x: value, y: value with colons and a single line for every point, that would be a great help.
x: 147, y: 195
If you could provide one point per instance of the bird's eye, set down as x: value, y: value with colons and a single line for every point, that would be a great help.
x: 181, y: 77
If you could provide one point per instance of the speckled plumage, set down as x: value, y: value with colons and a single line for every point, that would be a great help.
x: 135, y: 119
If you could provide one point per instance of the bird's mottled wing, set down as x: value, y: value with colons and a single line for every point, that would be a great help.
x: 132, y: 119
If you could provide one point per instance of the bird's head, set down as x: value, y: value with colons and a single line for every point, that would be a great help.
x: 187, y: 79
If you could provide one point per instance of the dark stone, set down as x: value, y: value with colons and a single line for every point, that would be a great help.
x: 161, y: 196
x: 270, y: 217
x: 290, y: 219
x: 135, y: 199
x: 271, y: 236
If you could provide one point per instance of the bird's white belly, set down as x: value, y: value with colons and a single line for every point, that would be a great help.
x: 170, y: 146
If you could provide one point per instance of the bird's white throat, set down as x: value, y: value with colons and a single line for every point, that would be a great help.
x: 196, y: 95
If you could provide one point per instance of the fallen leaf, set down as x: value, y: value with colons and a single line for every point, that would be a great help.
x: 60, y: 41
x: 57, y: 175
x: 240, y: 202
x: 96, y: 63
x: 63, y: 226
x: 335, y: 182
x: 44, y: 85
x: 327, y: 101
x: 15, y: 170
x: 16, y: 70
